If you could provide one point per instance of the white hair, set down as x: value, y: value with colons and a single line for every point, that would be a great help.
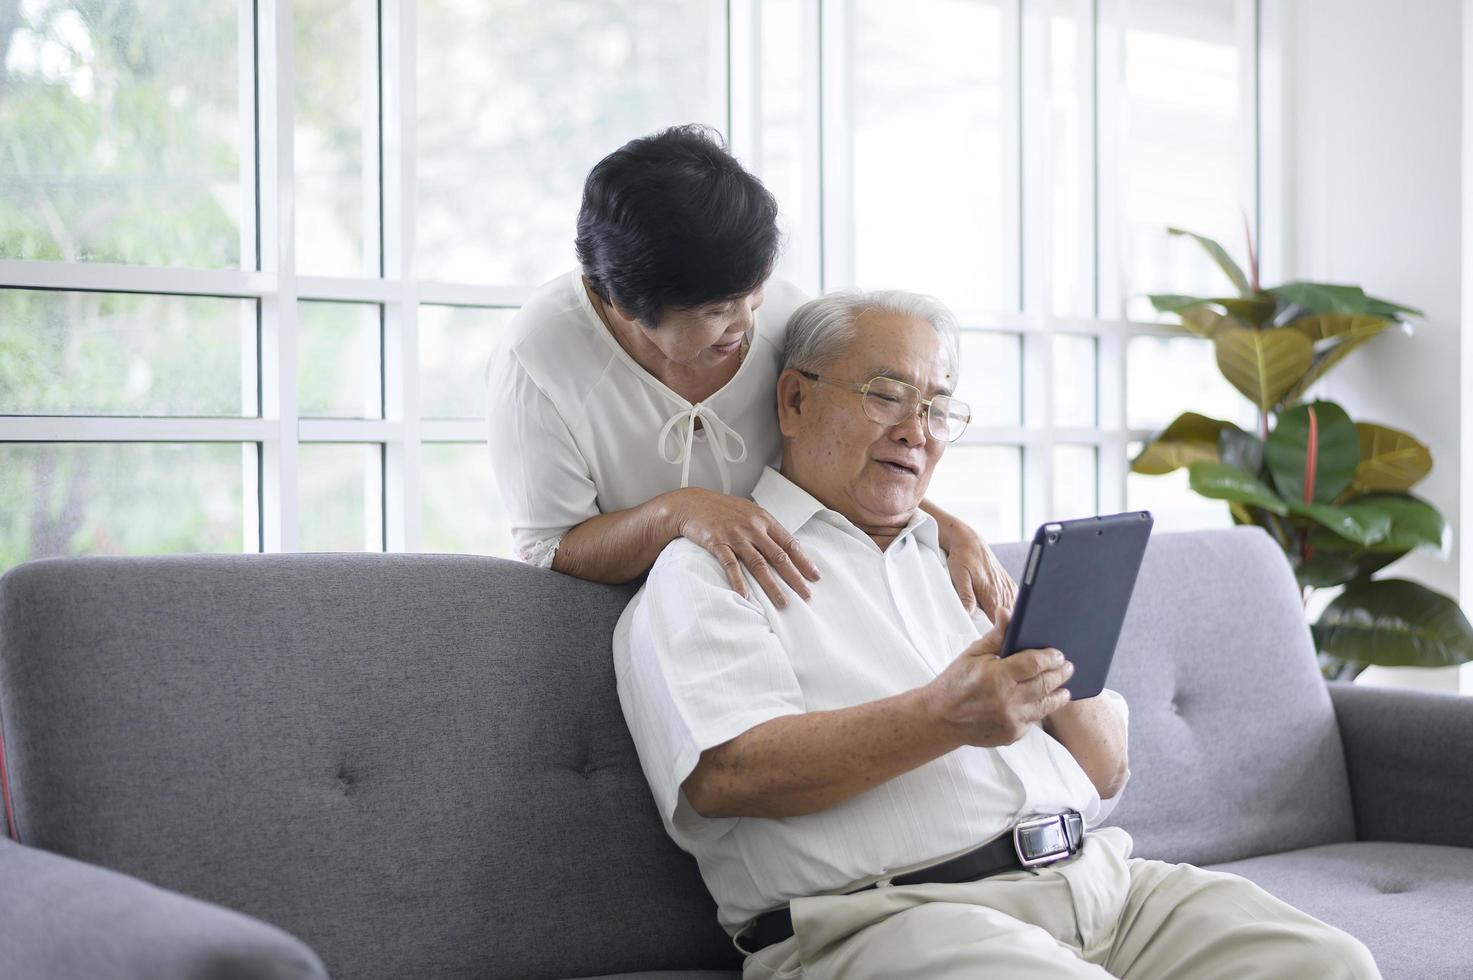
x: 820, y: 329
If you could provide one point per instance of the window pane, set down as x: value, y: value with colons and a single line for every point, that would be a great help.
x: 462, y: 507
x: 1074, y: 380
x: 991, y: 377
x: 124, y: 498
x: 122, y: 132
x: 1076, y: 479
x: 1171, y: 501
x: 930, y: 204
x: 75, y: 353
x: 1184, y: 140
x: 1166, y: 376
x: 982, y: 485
x: 341, y: 493
x: 788, y: 137
x: 337, y: 198
x: 339, y: 374
x: 455, y: 342
x: 1069, y: 161
x: 518, y: 101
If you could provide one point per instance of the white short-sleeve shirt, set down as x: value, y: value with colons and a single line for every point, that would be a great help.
x: 697, y: 665
x: 577, y: 428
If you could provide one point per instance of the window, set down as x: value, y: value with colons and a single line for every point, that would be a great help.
x: 253, y: 256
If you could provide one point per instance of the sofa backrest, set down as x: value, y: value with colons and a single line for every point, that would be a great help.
x: 418, y: 763
x: 415, y: 763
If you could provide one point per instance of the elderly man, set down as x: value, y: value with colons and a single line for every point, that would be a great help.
x: 869, y: 790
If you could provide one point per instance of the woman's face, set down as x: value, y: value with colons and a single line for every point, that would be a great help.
x: 704, y: 336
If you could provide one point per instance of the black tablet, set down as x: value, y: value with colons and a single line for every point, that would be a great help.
x: 1075, y: 590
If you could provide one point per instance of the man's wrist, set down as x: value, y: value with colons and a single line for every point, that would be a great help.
x: 925, y: 706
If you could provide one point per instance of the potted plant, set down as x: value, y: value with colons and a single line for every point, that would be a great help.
x: 1334, y: 493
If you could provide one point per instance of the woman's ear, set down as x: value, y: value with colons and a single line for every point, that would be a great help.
x: 624, y: 314
x: 789, y: 402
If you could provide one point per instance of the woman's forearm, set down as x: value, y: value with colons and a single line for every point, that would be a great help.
x: 943, y: 520
x: 620, y: 545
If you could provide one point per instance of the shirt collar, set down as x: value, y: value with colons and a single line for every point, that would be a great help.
x: 794, y: 507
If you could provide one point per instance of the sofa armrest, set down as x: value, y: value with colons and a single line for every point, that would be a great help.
x: 63, y: 918
x: 1409, y: 755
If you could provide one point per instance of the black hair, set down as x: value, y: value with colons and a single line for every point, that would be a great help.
x: 674, y: 221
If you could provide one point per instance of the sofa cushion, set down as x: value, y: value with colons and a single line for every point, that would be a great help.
x: 1234, y: 749
x: 1409, y: 903
x: 415, y: 763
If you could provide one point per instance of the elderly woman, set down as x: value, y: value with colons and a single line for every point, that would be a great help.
x: 632, y: 400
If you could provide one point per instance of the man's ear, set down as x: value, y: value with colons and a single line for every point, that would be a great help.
x: 789, y: 402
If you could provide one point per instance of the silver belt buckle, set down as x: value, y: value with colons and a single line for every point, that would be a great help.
x: 1041, y: 840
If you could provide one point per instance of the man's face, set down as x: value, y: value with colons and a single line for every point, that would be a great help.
x: 873, y: 474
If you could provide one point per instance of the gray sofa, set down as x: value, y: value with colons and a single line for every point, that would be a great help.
x: 415, y: 766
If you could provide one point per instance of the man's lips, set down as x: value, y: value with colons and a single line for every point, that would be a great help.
x: 900, y: 465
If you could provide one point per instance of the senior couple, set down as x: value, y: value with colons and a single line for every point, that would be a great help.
x: 867, y: 788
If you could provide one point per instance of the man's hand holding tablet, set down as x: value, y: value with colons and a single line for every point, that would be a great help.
x: 991, y: 701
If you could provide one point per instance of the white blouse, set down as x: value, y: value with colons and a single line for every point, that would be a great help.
x: 577, y: 428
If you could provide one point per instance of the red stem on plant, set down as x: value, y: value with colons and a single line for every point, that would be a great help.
x: 1310, y: 460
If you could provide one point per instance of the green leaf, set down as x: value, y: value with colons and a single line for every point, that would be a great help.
x: 1322, y: 297
x: 1241, y: 449
x: 1254, y: 311
x: 1363, y: 525
x: 1337, y: 452
x: 1326, y: 570
x: 1323, y: 541
x: 1393, y: 622
x: 1190, y: 438
x: 1222, y: 482
x: 1381, y: 307
x: 1414, y: 522
x: 1174, y: 302
x: 1390, y: 459
x: 1199, y: 318
x: 1263, y: 364
x: 1323, y: 361
x: 1331, y: 326
x: 1220, y: 256
x: 1204, y: 322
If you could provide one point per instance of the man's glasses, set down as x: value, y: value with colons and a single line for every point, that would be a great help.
x: 890, y: 402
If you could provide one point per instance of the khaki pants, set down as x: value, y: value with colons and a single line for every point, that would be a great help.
x: 1099, y: 914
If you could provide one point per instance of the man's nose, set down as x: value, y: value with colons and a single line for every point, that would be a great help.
x: 912, y: 429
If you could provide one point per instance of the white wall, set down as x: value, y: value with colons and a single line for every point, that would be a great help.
x: 1373, y: 109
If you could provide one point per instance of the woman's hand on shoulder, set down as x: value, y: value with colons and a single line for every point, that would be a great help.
x: 976, y: 574
x: 737, y: 532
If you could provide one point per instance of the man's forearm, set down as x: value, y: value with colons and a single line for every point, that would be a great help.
x: 807, y: 763
x: 618, y: 546
x: 1094, y: 733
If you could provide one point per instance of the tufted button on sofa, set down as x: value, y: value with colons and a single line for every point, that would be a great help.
x: 396, y: 766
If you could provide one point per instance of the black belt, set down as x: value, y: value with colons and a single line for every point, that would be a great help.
x: 1031, y: 843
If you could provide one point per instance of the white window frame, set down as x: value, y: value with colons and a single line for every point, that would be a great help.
x: 272, y: 440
